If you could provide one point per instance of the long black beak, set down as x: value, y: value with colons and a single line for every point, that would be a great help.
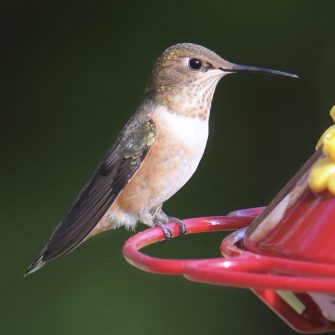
x: 247, y: 68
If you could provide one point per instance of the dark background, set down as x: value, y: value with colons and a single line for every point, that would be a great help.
x: 71, y: 74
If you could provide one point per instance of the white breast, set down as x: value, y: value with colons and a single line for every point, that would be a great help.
x: 180, y: 150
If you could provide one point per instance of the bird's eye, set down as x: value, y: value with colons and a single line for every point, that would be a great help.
x: 194, y: 64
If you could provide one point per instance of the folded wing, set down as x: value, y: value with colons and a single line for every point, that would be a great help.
x: 116, y: 170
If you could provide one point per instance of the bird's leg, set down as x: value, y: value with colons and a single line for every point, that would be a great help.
x: 164, y: 218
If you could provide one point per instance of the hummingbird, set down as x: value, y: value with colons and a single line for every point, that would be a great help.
x: 155, y: 154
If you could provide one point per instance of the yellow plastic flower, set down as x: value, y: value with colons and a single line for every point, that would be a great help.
x: 322, y: 174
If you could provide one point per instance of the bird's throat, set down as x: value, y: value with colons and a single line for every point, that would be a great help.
x: 194, y: 99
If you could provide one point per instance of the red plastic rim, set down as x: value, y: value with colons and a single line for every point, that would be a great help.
x: 239, y: 267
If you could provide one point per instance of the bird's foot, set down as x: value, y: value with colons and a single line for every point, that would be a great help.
x: 162, y: 219
x: 180, y: 223
x: 167, y: 232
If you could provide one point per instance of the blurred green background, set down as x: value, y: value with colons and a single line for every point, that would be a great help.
x: 71, y: 74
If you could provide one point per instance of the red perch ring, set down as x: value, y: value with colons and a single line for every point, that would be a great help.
x: 282, y: 283
x: 240, y: 267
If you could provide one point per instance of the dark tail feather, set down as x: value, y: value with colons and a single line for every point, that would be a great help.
x: 36, y: 264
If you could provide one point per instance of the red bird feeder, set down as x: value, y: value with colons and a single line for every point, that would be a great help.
x: 285, y: 253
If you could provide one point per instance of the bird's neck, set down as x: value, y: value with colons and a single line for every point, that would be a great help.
x: 193, y: 100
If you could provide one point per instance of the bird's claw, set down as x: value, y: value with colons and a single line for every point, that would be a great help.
x: 181, y: 225
x: 167, y: 232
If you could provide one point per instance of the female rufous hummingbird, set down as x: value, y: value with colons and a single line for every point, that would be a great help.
x: 155, y: 154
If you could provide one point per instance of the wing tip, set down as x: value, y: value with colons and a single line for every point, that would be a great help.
x: 35, y: 265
